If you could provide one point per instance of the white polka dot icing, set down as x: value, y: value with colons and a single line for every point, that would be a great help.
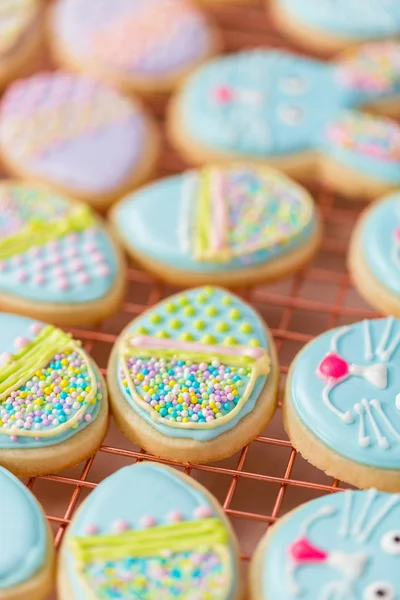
x: 52, y: 250
x: 151, y: 555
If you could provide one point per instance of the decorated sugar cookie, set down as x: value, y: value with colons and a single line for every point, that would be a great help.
x: 20, y: 38
x: 330, y: 25
x: 53, y: 401
x: 142, y: 45
x: 344, y: 546
x: 194, y: 378
x: 80, y: 136
x: 374, y: 257
x: 299, y: 114
x: 149, y: 532
x: 57, y: 260
x: 233, y: 225
x: 342, y: 405
x: 26, y: 551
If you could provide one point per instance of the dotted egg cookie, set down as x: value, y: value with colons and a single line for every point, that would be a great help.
x: 342, y: 403
x: 194, y: 378
x: 53, y: 400
x: 374, y: 256
x: 232, y: 226
x: 149, y: 532
x: 298, y: 114
x: 80, y: 136
x: 146, y: 46
x: 345, y: 545
x: 57, y: 259
x: 27, y: 550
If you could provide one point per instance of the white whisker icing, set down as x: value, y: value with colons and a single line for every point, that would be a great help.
x: 363, y: 439
x: 387, y: 354
x: 369, y: 355
x: 381, y: 514
x: 380, y: 351
x: 347, y: 417
x: 345, y: 526
x: 383, y: 442
x: 359, y: 524
x: 389, y: 425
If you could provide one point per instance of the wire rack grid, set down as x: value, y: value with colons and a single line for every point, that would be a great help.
x: 266, y: 478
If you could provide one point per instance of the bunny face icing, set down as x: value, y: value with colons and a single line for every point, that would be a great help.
x: 344, y: 547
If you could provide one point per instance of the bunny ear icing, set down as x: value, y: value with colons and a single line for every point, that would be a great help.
x: 148, y: 532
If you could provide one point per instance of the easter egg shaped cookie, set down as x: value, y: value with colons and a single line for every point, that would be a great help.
x: 78, y: 135
x: 57, y: 259
x: 194, y: 378
x: 229, y: 225
x: 53, y: 400
x: 342, y: 403
x: 26, y: 549
x: 146, y: 532
x: 344, y: 545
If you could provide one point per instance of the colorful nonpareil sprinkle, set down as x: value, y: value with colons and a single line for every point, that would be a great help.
x: 372, y: 68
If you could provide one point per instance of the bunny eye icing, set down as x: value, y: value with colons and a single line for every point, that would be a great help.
x: 391, y: 542
x: 380, y: 591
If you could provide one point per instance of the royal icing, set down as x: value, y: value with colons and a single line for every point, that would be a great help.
x: 147, y: 38
x: 356, y: 20
x: 72, y: 131
x: 344, y: 546
x: 217, y: 218
x: 22, y: 532
x: 195, y: 364
x: 49, y: 388
x: 165, y: 542
x: 52, y: 250
x: 268, y: 103
x: 16, y: 16
x: 345, y: 387
x: 380, y: 240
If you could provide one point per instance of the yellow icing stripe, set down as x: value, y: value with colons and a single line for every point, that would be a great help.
x: 203, y: 217
x: 151, y: 542
x: 37, y: 233
x: 235, y: 361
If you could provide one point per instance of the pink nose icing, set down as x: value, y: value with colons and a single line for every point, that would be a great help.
x: 333, y: 366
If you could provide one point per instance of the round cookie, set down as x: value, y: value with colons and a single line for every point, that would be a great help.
x: 20, y: 38
x: 26, y: 552
x: 342, y: 546
x: 147, y: 46
x: 374, y: 256
x: 342, y: 403
x: 57, y: 259
x: 149, y: 531
x: 80, y: 136
x: 166, y: 369
x: 330, y: 26
x: 233, y: 226
x: 298, y: 114
x: 53, y: 400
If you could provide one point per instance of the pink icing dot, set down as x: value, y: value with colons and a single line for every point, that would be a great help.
x: 83, y: 277
x: 72, y: 237
x: 36, y: 328
x: 120, y: 526
x: 223, y: 94
x: 175, y: 516
x: 62, y: 283
x: 21, y: 342
x: 16, y: 261
x: 71, y: 251
x: 88, y: 418
x: 54, y: 244
x: 148, y: 521
x: 76, y: 265
x: 22, y: 276
x: 103, y: 270
x: 397, y: 234
x: 90, y: 247
x: 13, y: 438
x: 3, y: 266
x: 57, y: 258
x: 59, y: 272
x: 5, y: 357
x: 39, y: 265
x: 98, y: 257
x: 203, y: 512
x: 91, y: 529
x: 34, y: 251
x: 39, y: 278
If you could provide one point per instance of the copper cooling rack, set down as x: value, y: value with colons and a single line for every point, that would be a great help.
x: 267, y: 478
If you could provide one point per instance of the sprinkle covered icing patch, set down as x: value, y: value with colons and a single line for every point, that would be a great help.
x: 227, y: 218
x: 145, y: 532
x: 346, y: 545
x: 15, y: 18
x: 346, y: 388
x: 267, y: 103
x: 22, y: 532
x: 52, y: 250
x: 148, y: 38
x: 195, y: 364
x: 48, y: 387
x: 72, y: 131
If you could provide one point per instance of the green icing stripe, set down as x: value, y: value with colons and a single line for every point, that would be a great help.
x: 235, y: 361
x: 184, y: 536
x: 35, y: 355
x: 38, y: 233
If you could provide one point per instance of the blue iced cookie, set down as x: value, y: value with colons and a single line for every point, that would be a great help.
x: 53, y: 400
x: 230, y: 225
x: 343, y: 546
x: 194, y: 378
x: 149, y: 532
x: 301, y: 115
x: 330, y: 25
x: 342, y: 403
x: 57, y: 259
x: 26, y: 548
x: 374, y: 256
